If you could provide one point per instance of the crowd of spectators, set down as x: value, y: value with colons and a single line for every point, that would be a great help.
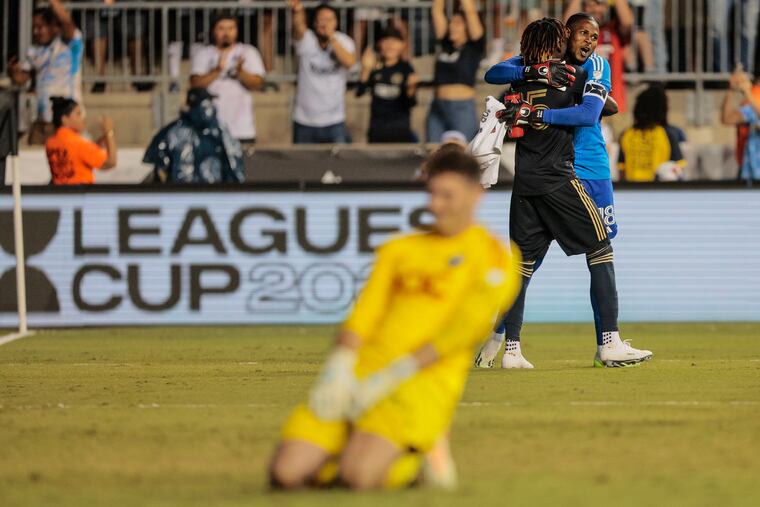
x: 327, y: 59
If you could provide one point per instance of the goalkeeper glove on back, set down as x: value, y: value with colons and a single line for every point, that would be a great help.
x: 555, y: 73
x: 518, y: 114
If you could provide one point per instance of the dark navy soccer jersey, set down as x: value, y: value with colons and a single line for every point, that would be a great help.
x: 545, y: 155
x: 391, y: 105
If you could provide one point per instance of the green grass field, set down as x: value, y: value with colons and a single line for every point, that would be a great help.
x: 189, y: 416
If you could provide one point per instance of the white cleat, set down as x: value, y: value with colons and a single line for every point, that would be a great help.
x: 488, y: 352
x: 438, y: 467
x: 618, y: 354
x: 513, y: 357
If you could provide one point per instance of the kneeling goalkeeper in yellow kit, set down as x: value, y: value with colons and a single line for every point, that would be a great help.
x: 387, y: 393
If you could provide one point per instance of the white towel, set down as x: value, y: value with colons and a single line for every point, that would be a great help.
x: 487, y: 143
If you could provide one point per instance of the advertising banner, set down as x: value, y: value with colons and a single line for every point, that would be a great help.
x: 246, y: 257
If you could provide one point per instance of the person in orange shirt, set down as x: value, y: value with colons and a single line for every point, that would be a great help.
x: 73, y: 158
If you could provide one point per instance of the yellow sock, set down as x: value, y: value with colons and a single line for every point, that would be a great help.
x: 404, y: 471
x: 328, y: 474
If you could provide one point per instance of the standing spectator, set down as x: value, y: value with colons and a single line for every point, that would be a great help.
x: 649, y: 36
x: 196, y: 148
x: 747, y: 113
x: 54, y: 62
x: 230, y: 71
x: 73, y: 158
x: 324, y: 57
x: 651, y: 142
x: 653, y: 24
x: 460, y: 46
x: 102, y: 23
x: 614, y: 35
x: 393, y: 84
x: 727, y: 26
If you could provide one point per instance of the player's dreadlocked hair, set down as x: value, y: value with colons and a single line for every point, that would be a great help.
x: 542, y: 39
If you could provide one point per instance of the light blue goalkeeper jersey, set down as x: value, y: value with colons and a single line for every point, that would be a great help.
x: 591, y: 159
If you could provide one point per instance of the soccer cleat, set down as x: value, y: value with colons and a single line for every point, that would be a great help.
x: 488, y: 352
x: 513, y: 357
x: 438, y: 467
x: 616, y: 353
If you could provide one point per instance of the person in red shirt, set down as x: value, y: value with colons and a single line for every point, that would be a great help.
x: 614, y: 35
x: 71, y: 157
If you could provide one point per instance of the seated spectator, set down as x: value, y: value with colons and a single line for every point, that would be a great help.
x: 652, y: 144
x: 748, y: 113
x: 393, y: 84
x: 324, y: 57
x: 614, y: 34
x: 54, y: 62
x: 101, y: 24
x: 460, y: 47
x: 196, y: 148
x: 230, y: 71
x: 73, y: 158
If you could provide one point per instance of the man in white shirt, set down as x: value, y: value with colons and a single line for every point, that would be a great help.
x: 230, y: 71
x: 324, y: 58
x: 54, y: 61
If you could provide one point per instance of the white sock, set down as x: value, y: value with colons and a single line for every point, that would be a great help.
x: 610, y: 337
x: 497, y: 337
x: 513, y: 347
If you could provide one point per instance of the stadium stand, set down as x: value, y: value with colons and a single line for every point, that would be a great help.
x: 680, y: 48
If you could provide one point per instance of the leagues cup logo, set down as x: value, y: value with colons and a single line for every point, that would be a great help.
x: 40, y: 227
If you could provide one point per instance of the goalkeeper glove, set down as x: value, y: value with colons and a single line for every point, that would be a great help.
x: 517, y: 114
x: 330, y: 398
x: 554, y: 73
x: 380, y: 384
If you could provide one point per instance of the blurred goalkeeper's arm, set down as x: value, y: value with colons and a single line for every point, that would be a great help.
x: 331, y: 396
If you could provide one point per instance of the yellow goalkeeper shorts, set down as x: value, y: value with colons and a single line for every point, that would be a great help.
x: 408, y: 423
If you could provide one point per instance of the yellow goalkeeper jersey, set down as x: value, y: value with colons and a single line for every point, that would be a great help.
x: 424, y: 288
x: 427, y: 288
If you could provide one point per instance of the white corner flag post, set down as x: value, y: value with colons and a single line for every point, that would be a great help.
x: 18, y: 237
x: 18, y: 232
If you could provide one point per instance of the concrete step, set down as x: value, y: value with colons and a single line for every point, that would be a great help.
x: 136, y: 114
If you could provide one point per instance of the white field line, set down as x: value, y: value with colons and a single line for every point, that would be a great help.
x: 466, y: 404
x: 14, y: 336
x: 96, y: 363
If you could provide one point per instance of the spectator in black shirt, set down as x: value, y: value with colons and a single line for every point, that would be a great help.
x: 392, y: 83
x: 461, y: 46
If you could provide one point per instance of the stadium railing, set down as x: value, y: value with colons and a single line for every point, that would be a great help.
x: 694, y: 42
